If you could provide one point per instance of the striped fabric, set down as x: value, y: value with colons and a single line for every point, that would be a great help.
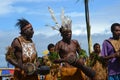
x: 5, y: 72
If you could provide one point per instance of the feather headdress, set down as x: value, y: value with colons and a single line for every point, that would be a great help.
x: 66, y: 22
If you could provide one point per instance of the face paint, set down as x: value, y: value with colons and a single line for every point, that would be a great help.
x: 67, y: 34
x: 28, y: 31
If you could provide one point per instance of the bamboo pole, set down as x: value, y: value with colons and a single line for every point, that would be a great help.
x: 88, y: 26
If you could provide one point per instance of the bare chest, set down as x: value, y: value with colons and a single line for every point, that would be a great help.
x: 66, y: 49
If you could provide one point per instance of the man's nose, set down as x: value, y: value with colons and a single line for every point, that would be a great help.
x: 69, y: 33
x: 119, y: 32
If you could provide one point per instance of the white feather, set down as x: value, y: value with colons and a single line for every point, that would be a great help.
x: 62, y: 17
x: 52, y: 15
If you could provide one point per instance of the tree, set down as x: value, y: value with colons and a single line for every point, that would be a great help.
x: 88, y: 27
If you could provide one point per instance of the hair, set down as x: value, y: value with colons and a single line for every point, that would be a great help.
x: 22, y: 23
x: 61, y: 29
x: 113, y: 26
x: 50, y: 46
x: 96, y: 45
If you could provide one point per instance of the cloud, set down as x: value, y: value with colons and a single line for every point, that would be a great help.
x: 77, y: 29
x: 47, y: 31
x: 75, y: 14
x: 13, y: 6
x: 36, y: 1
x: 100, y: 20
x: 7, y: 7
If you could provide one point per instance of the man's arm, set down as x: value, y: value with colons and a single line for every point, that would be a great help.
x: 104, y: 53
x: 81, y: 52
x: 72, y: 60
x: 114, y: 55
x: 17, y: 53
x: 77, y: 46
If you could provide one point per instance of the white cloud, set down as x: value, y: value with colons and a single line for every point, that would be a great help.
x: 40, y: 0
x: 6, y: 7
x: 78, y: 32
x: 99, y: 20
x: 78, y: 29
x: 75, y: 14
x: 46, y: 31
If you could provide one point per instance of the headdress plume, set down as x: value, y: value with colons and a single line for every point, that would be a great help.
x: 65, y: 21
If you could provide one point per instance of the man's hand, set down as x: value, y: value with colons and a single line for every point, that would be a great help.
x: 24, y: 67
x: 29, y: 68
x: 69, y: 59
x: 117, y: 54
x: 114, y: 55
x: 59, y: 60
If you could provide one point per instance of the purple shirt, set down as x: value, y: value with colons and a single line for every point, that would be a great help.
x: 114, y: 63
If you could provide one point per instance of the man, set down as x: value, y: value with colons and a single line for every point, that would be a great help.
x: 67, y: 50
x: 97, y: 64
x: 24, y: 53
x: 67, y: 47
x: 111, y: 52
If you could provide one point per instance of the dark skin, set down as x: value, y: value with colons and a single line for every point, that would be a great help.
x: 95, y: 55
x: 67, y: 47
x: 27, y: 34
x: 116, y: 36
x: 96, y: 51
x: 95, y: 59
x: 67, y: 50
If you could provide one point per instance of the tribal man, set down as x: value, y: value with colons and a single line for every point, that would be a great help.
x: 72, y: 66
x: 24, y: 52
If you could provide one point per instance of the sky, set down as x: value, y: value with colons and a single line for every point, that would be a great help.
x: 102, y: 14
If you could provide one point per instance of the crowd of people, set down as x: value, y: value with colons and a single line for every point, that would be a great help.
x: 64, y: 57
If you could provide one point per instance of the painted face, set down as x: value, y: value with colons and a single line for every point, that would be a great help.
x: 28, y: 31
x: 116, y: 32
x: 67, y: 34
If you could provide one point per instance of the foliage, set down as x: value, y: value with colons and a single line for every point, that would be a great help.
x: 82, y: 54
x: 40, y: 59
x: 95, y: 57
x: 53, y: 56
